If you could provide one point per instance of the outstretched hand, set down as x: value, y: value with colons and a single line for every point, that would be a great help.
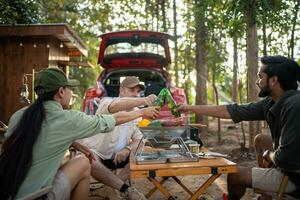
x: 85, y: 150
x: 149, y: 99
x: 182, y: 108
x: 150, y: 112
x: 121, y: 156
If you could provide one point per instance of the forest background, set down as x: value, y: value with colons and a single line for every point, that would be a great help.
x: 216, y: 47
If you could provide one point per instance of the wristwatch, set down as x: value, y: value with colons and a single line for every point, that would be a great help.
x: 128, y: 147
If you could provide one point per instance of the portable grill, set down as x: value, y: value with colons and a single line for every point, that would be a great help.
x: 161, y: 139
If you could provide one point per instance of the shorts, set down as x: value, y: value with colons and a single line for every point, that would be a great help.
x: 61, y: 187
x: 269, y: 179
x: 111, y: 165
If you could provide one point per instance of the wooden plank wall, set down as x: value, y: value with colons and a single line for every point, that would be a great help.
x: 16, y: 60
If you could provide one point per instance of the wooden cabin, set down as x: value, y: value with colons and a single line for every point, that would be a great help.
x: 25, y: 49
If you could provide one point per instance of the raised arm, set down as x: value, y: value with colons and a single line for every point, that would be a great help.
x: 213, y: 111
x: 128, y: 103
x: 123, y: 117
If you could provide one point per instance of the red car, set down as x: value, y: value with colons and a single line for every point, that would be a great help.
x: 144, y: 54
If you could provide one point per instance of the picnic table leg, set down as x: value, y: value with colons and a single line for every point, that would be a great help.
x: 155, y: 188
x: 182, y: 185
x: 157, y: 184
x: 203, y: 187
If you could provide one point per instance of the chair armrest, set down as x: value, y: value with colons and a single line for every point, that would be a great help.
x: 37, y: 194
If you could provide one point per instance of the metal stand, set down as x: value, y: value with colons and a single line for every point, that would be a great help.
x: 182, y: 154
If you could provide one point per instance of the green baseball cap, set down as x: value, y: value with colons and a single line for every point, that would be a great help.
x: 50, y: 79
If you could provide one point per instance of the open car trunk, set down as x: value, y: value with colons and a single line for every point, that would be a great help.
x: 134, y: 49
x: 153, y: 81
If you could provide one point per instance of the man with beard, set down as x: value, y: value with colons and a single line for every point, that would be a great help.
x: 280, y: 107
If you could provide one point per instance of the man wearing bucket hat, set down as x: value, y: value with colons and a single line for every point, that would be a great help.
x: 123, y: 139
x: 39, y: 135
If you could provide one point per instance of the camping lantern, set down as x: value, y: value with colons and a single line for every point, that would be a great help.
x: 24, y: 94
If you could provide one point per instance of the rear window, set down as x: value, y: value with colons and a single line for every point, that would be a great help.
x: 124, y: 48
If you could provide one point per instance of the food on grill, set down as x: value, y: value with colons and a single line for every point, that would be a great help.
x: 144, y: 123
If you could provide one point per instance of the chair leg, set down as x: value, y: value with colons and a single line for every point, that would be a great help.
x: 282, y: 187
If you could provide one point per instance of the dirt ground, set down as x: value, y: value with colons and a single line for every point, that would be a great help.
x: 230, y: 144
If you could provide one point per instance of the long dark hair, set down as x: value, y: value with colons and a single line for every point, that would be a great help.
x: 16, y: 154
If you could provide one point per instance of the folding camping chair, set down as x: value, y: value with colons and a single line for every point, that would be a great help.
x: 280, y: 193
x: 38, y: 195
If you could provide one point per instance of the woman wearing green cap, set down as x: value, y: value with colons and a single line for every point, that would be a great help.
x: 39, y: 135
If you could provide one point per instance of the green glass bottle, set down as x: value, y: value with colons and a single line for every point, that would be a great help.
x: 172, y: 104
x: 165, y: 96
x: 160, y: 100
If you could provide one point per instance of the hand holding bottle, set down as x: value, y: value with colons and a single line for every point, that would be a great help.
x: 150, y: 112
x: 149, y: 99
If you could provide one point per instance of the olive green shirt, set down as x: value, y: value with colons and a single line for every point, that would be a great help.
x: 59, y: 129
x: 283, y: 118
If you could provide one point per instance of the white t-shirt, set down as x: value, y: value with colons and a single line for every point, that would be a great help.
x: 108, y: 144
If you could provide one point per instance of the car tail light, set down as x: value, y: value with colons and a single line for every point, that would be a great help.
x: 90, y: 102
x: 93, y: 92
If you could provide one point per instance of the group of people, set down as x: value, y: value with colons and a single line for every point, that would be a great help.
x: 39, y: 135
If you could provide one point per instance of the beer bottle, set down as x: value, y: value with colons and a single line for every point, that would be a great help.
x: 160, y: 100
x: 172, y: 104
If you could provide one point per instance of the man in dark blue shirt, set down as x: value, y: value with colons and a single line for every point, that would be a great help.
x: 280, y: 107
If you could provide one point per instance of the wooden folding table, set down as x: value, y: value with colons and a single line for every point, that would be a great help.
x: 216, y: 167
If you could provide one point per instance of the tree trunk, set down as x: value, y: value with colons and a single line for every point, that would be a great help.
x: 217, y: 101
x: 153, y: 13
x: 148, y: 12
x: 201, y: 88
x: 292, y: 44
x: 235, y: 70
x: 264, y: 37
x: 187, y: 72
x: 252, y: 63
x: 265, y: 51
x: 243, y: 143
x: 157, y: 15
x: 163, y: 10
x: 176, y: 44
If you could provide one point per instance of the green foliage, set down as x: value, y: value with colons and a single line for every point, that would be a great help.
x: 88, y: 19
x: 87, y: 78
x: 225, y: 19
x: 19, y: 12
